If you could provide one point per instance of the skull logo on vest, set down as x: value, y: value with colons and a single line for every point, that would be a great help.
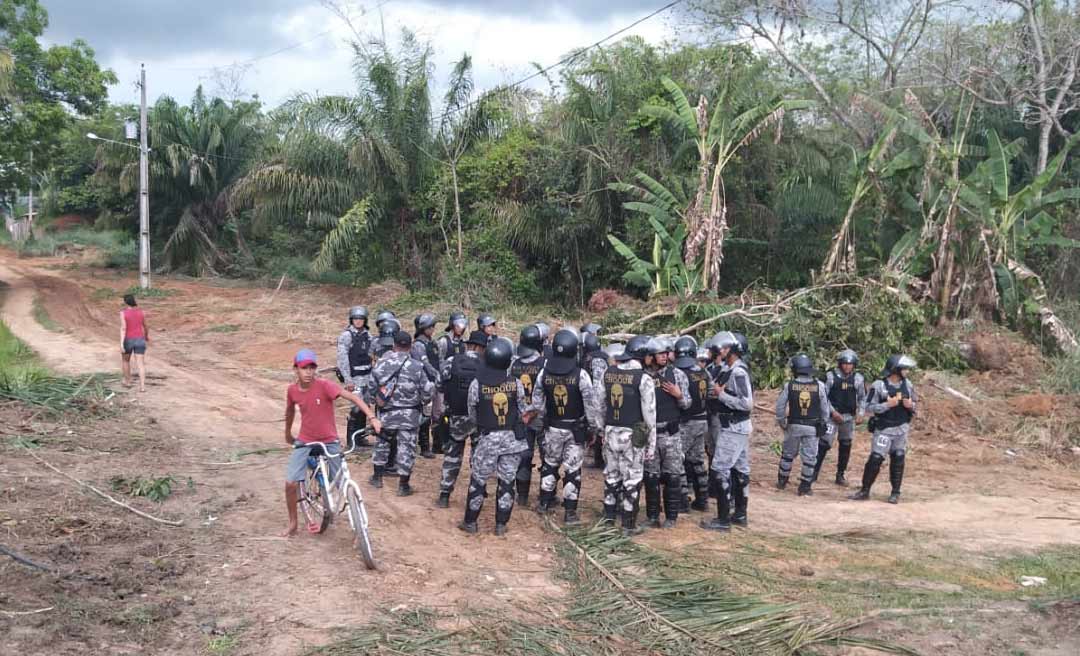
x: 500, y: 404
x: 804, y: 403
x: 527, y: 383
x: 561, y: 397
x: 616, y: 399
x: 702, y: 388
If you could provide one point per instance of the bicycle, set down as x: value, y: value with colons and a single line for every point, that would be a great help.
x: 319, y: 502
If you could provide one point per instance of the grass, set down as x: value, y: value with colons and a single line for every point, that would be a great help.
x: 153, y: 292
x: 49, y: 244
x: 223, y: 328
x: 1063, y: 375
x: 41, y: 315
x: 24, y: 379
x: 222, y: 645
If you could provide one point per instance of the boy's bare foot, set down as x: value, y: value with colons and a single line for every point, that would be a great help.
x: 291, y: 532
x: 142, y: 389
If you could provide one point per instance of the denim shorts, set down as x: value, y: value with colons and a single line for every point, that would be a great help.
x: 136, y: 345
x: 297, y: 468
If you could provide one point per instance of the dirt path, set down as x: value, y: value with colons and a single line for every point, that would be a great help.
x: 221, y: 393
x: 298, y: 589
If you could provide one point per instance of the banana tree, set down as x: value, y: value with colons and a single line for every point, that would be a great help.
x: 718, y: 140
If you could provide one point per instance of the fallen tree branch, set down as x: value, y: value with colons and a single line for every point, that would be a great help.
x: 17, y: 613
x: 19, y: 558
x: 957, y: 394
x: 103, y: 495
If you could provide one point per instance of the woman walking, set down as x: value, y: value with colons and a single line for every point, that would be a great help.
x: 134, y: 334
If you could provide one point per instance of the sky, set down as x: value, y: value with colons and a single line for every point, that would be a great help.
x: 275, y: 48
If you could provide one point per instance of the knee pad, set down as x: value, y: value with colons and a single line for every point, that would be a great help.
x: 548, y: 470
x: 572, y: 478
x: 876, y: 459
x: 898, y: 454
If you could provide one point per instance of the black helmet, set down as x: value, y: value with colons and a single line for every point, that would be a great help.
x: 685, y: 352
x: 545, y: 330
x: 383, y: 316
x: 458, y: 318
x: 593, y: 328
x: 530, y: 341
x: 724, y: 338
x: 847, y: 356
x: 358, y: 312
x: 564, y: 344
x: 896, y: 363
x: 423, y: 322
x: 485, y: 320
x: 590, y: 343
x: 802, y: 365
x: 614, y: 350
x: 744, y: 344
x: 636, y: 348
x: 477, y: 338
x: 387, y: 329
x: 498, y: 353
x: 655, y: 345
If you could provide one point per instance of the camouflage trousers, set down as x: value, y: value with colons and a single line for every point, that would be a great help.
x: 461, y: 428
x: 497, y: 453
x: 624, y: 468
x: 731, y: 451
x: 525, y: 465
x: 802, y: 441
x: 695, y: 475
x: 560, y: 448
x: 844, y: 431
x: 406, y: 449
x: 669, y: 455
x: 891, y: 441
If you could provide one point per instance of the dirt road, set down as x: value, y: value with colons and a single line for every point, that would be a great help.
x: 219, y: 391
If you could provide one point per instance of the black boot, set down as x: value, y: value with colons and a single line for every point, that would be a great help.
x: 476, y: 491
x: 444, y: 500
x: 391, y: 460
x: 570, y: 516
x: 502, y: 515
x: 424, y: 440
x: 404, y: 490
x: 546, y: 502
x: 672, y: 485
x: 439, y: 433
x: 598, y: 453
x: 870, y: 472
x: 722, y: 521
x: 896, y: 475
x: 782, y: 480
x: 822, y: 450
x: 843, y: 454
x: 376, y: 476
x: 629, y: 517
x: 701, y: 493
x: 652, y: 500
x: 804, y: 489
x: 740, y: 484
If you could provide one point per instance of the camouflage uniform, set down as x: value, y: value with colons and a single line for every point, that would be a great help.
x: 419, y: 352
x: 624, y: 464
x: 801, y: 438
x: 448, y: 346
x: 694, y: 433
x: 496, y: 453
x: 838, y: 385
x: 461, y: 429
x: 410, y: 391
x: 893, y: 426
x: 667, y: 468
x: 597, y: 366
x: 357, y: 376
x: 731, y: 451
x: 560, y: 445
x: 533, y: 430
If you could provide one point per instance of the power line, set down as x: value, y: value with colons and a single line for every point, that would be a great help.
x: 249, y: 62
x: 567, y: 59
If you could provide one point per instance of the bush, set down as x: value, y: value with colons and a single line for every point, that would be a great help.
x: 491, y: 274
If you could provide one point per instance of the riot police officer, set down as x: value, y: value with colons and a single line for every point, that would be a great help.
x: 450, y: 344
x: 847, y: 396
x: 526, y: 368
x: 487, y: 324
x: 694, y: 425
x: 892, y: 401
x: 595, y: 361
x: 457, y: 374
x: 733, y: 399
x: 425, y: 351
x: 354, y: 366
x: 497, y: 405
x: 663, y: 474
x: 802, y: 411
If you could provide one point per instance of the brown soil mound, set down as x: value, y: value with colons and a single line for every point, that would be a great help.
x: 1033, y: 405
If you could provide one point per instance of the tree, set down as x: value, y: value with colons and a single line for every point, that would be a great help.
x: 41, y: 89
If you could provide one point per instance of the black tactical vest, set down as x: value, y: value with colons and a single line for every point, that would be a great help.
x: 527, y: 373
x: 667, y: 408
x: 899, y: 415
x: 359, y: 357
x: 804, y: 403
x: 720, y: 377
x: 432, y: 350
x: 462, y: 372
x: 497, y: 404
x: 699, y: 389
x: 563, y: 401
x: 843, y: 394
x: 453, y: 347
x: 726, y: 412
x: 622, y: 397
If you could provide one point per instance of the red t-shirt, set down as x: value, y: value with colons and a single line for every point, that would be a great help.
x: 316, y: 403
x: 134, y: 327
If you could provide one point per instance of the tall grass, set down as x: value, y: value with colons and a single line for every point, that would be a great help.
x: 117, y: 248
x: 24, y: 379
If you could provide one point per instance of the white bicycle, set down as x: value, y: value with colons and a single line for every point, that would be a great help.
x: 319, y: 502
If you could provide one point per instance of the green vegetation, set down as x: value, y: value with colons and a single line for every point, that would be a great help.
x: 24, y: 379
x: 41, y: 315
x: 224, y: 328
x: 155, y: 489
x: 116, y: 248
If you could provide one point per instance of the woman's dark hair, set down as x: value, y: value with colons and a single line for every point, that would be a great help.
x: 130, y: 299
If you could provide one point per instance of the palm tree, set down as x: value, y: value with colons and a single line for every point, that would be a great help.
x: 197, y: 154
x: 336, y: 151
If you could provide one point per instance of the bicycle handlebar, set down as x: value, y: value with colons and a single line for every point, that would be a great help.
x: 363, y: 432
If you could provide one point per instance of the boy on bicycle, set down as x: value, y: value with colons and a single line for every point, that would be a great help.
x: 318, y: 425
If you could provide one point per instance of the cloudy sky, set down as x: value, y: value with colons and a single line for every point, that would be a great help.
x: 277, y: 47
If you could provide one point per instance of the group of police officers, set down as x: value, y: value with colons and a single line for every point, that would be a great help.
x: 658, y: 414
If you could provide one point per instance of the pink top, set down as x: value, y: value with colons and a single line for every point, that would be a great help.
x: 316, y: 403
x: 134, y: 323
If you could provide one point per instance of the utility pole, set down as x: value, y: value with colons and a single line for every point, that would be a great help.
x: 144, y: 187
x: 30, y: 209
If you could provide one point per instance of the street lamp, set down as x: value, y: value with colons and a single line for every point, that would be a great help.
x: 93, y: 137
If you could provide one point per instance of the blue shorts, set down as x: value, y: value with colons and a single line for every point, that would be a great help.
x: 297, y: 468
x: 136, y: 345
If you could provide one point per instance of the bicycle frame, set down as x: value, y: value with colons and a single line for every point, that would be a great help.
x: 339, y: 483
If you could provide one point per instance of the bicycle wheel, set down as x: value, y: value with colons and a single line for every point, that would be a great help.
x: 358, y: 518
x: 311, y: 498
